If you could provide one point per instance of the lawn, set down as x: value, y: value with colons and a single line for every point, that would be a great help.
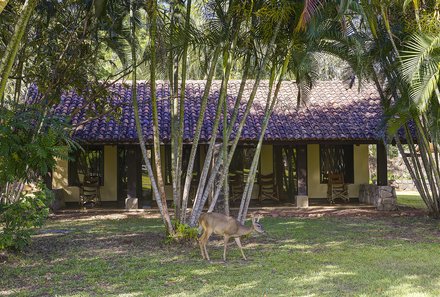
x: 411, y: 199
x: 125, y: 255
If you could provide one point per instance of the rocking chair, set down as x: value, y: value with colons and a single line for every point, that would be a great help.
x: 267, y: 188
x: 336, y: 188
x: 236, y: 185
x: 89, y: 193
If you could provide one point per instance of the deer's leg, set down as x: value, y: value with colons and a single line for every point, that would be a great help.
x: 205, y: 242
x: 226, y: 245
x: 202, y: 250
x: 237, y: 240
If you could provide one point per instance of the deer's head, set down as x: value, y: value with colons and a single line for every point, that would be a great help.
x: 256, y: 223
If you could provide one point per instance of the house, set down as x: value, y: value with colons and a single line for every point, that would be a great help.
x: 301, y: 146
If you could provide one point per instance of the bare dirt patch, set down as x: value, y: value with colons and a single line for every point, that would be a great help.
x: 315, y: 211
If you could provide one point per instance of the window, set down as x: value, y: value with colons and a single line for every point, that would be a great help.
x: 337, y: 159
x: 87, y: 162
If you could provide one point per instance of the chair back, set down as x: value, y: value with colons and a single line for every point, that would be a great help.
x: 335, y: 178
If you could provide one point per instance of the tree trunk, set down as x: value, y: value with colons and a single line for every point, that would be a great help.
x: 199, y: 201
x: 204, y: 103
x: 269, y: 108
x: 181, y: 128
x: 163, y: 211
x: 11, y: 50
x: 224, y: 151
x: 173, y: 76
x: 156, y: 137
x: 3, y: 4
x: 243, y: 120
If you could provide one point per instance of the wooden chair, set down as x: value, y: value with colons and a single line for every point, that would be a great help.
x: 336, y: 188
x: 267, y: 188
x: 89, y: 191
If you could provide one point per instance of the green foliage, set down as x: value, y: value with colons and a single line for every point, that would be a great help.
x: 29, y: 145
x: 19, y: 219
x: 23, y: 151
x: 183, y: 233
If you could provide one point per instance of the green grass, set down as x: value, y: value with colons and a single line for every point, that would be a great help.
x: 411, y: 199
x: 327, y: 256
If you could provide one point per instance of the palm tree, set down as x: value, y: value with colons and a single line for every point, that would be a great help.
x: 8, y: 57
x: 401, y: 61
x: 157, y: 195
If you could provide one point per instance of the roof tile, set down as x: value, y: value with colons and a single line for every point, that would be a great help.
x: 333, y: 113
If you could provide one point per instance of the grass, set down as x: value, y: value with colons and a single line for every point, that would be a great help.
x: 122, y: 255
x: 411, y: 199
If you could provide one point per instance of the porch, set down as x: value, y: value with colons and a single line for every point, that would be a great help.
x: 285, y: 171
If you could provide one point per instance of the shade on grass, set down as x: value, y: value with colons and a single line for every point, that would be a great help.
x: 328, y: 256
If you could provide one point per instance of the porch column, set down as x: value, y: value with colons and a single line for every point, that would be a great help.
x: 382, y: 178
x: 301, y: 159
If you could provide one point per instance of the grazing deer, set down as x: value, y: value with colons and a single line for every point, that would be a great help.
x: 228, y: 227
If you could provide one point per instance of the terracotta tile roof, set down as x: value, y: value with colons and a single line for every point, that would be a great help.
x: 334, y: 113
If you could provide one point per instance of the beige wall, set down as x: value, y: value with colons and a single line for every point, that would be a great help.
x: 315, y: 188
x: 108, y: 191
x: 266, y: 159
x: 361, y: 171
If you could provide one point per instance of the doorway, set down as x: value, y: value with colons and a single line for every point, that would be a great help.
x: 286, y: 171
x: 133, y: 179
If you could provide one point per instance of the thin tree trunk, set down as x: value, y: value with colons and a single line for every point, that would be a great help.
x: 163, y: 212
x: 178, y: 163
x: 3, y: 4
x: 224, y: 151
x: 416, y: 162
x: 204, y: 103
x: 429, y: 164
x: 172, y: 56
x: 269, y: 108
x: 11, y: 50
x: 243, y: 120
x: 199, y: 201
x: 414, y: 173
x: 156, y: 136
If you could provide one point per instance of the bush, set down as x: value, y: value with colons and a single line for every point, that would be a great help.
x: 19, y: 219
x: 184, y: 233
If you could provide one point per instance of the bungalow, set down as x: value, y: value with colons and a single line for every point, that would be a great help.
x: 302, y: 146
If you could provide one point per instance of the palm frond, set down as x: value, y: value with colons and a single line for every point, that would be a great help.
x: 311, y: 7
x: 417, y: 52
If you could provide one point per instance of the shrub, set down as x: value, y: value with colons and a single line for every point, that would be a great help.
x: 19, y: 219
x: 184, y: 233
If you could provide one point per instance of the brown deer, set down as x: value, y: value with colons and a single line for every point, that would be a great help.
x: 228, y: 227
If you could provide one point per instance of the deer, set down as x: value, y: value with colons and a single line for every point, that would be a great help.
x: 227, y: 227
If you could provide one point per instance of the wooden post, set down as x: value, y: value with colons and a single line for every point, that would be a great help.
x: 301, y: 165
x: 382, y: 178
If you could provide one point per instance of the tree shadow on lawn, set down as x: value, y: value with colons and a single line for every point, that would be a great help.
x: 315, y: 257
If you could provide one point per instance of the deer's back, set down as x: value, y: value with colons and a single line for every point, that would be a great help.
x: 219, y: 223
